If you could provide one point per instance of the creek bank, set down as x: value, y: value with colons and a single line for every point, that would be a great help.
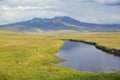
x: 58, y: 61
x: 113, y: 51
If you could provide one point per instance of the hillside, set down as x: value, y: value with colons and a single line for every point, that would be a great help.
x: 58, y: 24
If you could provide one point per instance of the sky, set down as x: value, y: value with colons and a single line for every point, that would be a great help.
x: 90, y: 11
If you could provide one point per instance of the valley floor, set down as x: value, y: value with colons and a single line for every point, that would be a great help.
x: 32, y: 56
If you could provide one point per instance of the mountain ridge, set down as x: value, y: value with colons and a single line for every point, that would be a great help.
x: 58, y: 23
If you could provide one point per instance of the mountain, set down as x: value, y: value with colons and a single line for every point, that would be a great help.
x: 57, y: 24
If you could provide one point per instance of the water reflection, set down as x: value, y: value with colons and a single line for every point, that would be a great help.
x: 84, y: 57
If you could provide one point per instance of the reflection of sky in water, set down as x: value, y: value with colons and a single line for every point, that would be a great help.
x: 85, y: 57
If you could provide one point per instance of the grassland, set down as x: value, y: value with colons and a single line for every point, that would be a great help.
x: 32, y: 56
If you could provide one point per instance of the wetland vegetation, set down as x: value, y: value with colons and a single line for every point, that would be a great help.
x: 32, y: 56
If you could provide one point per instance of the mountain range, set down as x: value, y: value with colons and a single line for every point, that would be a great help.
x: 59, y: 23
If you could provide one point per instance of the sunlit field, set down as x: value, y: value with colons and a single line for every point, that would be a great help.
x: 110, y: 40
x: 32, y: 56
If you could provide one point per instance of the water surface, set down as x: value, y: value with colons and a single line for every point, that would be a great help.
x: 84, y: 57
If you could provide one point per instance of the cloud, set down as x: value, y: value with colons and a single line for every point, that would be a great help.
x: 83, y: 10
x: 17, y: 16
x: 109, y: 2
x: 1, y: 0
x: 42, y: 2
x: 105, y: 2
x: 8, y: 8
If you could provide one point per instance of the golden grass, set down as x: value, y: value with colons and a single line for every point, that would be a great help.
x: 31, y: 57
x: 110, y: 40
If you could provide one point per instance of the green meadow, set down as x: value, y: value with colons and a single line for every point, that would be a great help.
x: 32, y: 56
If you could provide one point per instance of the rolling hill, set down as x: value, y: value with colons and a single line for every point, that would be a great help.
x: 60, y: 23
